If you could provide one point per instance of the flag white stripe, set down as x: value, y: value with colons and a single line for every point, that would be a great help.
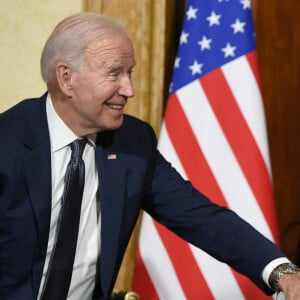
x: 218, y: 276
x: 220, y: 157
x: 166, y: 148
x: 162, y: 279
x: 243, y: 84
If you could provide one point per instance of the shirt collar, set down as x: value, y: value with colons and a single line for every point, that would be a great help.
x: 60, y: 134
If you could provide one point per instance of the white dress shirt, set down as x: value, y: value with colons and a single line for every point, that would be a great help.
x: 88, y: 245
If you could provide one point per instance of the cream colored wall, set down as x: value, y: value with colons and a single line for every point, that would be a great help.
x: 24, y: 28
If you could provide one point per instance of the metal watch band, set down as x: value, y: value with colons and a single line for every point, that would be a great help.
x: 286, y: 268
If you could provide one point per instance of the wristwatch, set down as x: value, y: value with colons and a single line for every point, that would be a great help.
x: 286, y: 268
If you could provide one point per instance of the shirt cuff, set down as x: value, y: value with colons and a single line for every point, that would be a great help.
x: 271, y: 266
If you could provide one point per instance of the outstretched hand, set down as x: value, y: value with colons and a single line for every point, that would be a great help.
x: 290, y: 285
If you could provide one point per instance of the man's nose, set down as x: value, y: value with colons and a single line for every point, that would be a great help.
x: 126, y: 87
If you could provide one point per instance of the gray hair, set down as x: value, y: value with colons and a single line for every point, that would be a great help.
x: 71, y: 37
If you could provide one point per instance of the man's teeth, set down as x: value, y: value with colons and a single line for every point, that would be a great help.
x: 115, y: 106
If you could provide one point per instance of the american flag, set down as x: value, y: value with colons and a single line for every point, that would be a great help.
x: 214, y: 134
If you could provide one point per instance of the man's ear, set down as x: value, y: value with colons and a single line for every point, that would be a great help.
x: 64, y: 78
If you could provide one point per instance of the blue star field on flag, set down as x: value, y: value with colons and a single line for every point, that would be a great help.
x: 225, y: 27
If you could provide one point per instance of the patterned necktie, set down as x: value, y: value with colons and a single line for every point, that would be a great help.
x: 59, y: 274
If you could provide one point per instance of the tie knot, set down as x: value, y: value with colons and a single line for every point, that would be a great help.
x: 77, y: 147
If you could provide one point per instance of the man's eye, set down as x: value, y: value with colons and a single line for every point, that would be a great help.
x: 130, y: 73
x: 113, y: 75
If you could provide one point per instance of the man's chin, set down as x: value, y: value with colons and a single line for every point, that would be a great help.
x: 113, y: 125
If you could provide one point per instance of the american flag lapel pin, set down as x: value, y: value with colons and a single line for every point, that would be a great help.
x: 112, y: 156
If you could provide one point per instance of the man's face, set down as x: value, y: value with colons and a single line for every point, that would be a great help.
x: 101, y: 88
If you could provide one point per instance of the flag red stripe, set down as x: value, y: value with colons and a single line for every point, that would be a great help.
x: 191, y: 157
x: 252, y: 60
x: 195, y: 165
x: 245, y: 148
x: 184, y: 264
x: 141, y: 282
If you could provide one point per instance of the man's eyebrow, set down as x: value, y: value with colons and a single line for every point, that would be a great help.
x: 113, y: 68
x: 117, y: 68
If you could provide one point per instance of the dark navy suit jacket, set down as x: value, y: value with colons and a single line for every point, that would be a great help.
x: 139, y: 178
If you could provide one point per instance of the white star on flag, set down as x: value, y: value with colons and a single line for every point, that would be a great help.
x: 213, y: 19
x: 184, y: 38
x: 246, y: 4
x: 170, y: 87
x: 191, y: 13
x: 238, y: 26
x: 229, y: 50
x: 205, y: 43
x: 177, y: 62
x: 196, y: 68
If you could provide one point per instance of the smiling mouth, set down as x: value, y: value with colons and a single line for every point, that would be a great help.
x: 115, y: 106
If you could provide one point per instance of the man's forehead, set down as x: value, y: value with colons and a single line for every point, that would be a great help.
x: 110, y: 55
x: 108, y: 39
x: 118, y: 45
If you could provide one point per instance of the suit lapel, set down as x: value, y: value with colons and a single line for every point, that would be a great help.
x: 37, y: 168
x: 112, y: 172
